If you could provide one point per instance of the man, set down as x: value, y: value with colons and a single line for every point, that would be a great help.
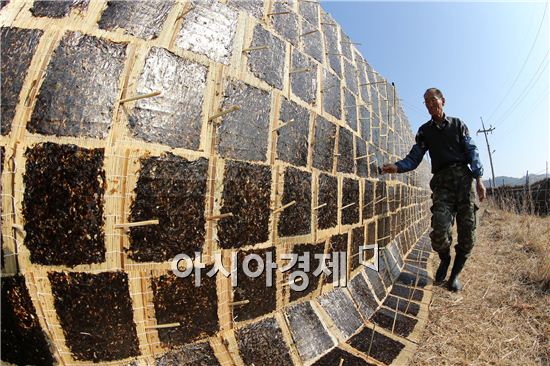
x: 451, y: 150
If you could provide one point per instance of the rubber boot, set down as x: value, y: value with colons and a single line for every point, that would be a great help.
x: 441, y: 273
x: 454, y: 283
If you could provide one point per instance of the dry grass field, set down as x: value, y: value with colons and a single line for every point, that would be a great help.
x: 502, y: 317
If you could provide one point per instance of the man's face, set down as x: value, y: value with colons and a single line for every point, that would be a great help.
x: 434, y: 104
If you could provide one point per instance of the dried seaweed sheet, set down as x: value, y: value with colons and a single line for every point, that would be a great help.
x: 332, y: 94
x: 325, y: 136
x: 292, y: 140
x: 394, y: 322
x: 208, y: 29
x: 307, y: 331
x: 342, y: 311
x: 363, y: 296
x: 243, y: 134
x: 357, y: 240
x: 361, y: 151
x: 376, y: 283
x: 177, y: 299
x: 2, y: 155
x: 261, y: 297
x: 267, y: 64
x: 63, y: 204
x: 328, y: 193
x: 363, y: 80
x: 340, y: 357
x: 330, y: 33
x: 80, y: 88
x: 365, y: 123
x: 94, y: 310
x: 313, y: 281
x: 197, y: 354
x: 23, y: 341
x: 174, y: 117
x: 350, y: 73
x: 57, y: 9
x: 253, y: 7
x: 310, y: 11
x: 402, y: 305
x: 407, y: 293
x: 172, y: 190
x: 383, y: 228
x: 350, y: 194
x: 142, y: 19
x: 262, y: 343
x: 346, y: 161
x: 381, y: 348
x: 381, y: 198
x: 345, y: 44
x: 303, y: 84
x: 311, y: 40
x: 246, y: 194
x: 375, y: 99
x: 17, y: 49
x: 296, y: 219
x: 395, y: 253
x: 350, y: 109
x: 337, y: 243
x: 286, y: 22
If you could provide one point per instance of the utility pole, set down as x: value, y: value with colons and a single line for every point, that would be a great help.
x: 546, y: 176
x: 491, y: 129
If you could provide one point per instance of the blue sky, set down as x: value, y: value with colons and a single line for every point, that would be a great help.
x: 490, y: 59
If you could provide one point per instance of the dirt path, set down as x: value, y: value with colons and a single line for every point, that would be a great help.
x: 502, y: 316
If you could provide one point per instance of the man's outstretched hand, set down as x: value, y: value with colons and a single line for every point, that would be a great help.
x: 389, y: 168
x: 481, y: 191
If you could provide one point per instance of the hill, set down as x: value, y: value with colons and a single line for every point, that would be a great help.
x: 511, y: 181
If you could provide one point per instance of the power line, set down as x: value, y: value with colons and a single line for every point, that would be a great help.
x: 528, y: 88
x: 532, y: 108
x: 417, y: 110
x: 524, y: 63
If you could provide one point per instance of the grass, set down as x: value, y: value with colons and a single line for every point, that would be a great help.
x: 502, y: 317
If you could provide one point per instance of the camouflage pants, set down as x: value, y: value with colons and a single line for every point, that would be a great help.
x: 453, y: 197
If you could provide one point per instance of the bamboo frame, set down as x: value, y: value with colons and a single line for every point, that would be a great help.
x: 121, y: 164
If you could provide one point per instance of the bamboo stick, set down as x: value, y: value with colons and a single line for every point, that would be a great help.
x: 162, y: 326
x: 303, y: 69
x: 307, y: 33
x: 238, y: 303
x: 346, y: 206
x: 318, y: 207
x: 223, y: 113
x: 142, y: 96
x: 256, y: 48
x: 283, y: 125
x: 284, y: 207
x: 136, y: 224
x: 278, y: 13
x: 221, y: 216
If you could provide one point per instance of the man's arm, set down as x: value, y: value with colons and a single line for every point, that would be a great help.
x: 472, y: 155
x: 412, y: 160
